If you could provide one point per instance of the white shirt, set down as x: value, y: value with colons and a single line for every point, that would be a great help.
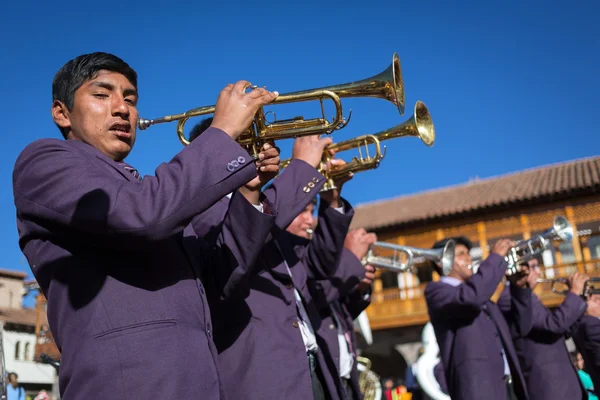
x: 455, y: 282
x: 306, y: 329
x: 259, y: 207
x: 346, y: 359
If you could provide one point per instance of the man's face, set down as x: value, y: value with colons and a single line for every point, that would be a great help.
x: 104, y: 114
x: 12, y: 379
x: 534, y: 273
x: 302, y: 223
x: 462, y: 261
x: 593, y: 305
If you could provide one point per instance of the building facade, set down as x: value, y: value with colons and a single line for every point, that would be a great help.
x: 517, y: 206
x: 19, y: 335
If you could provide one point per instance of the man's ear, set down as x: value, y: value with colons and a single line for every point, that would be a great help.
x: 61, y: 115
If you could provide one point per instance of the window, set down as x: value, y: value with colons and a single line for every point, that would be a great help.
x: 26, y: 355
x: 18, y: 351
x: 594, y: 246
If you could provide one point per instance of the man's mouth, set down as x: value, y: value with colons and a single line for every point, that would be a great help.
x: 121, y: 130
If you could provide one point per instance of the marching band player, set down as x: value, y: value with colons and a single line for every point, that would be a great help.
x: 264, y: 335
x: 586, y: 335
x: 476, y: 349
x: 340, y: 299
x: 107, y: 247
x: 539, y: 338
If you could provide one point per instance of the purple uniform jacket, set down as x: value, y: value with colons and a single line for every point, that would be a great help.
x: 541, y: 348
x: 586, y: 335
x: 261, y: 351
x: 340, y: 292
x: 440, y: 376
x: 125, y: 302
x: 471, y: 331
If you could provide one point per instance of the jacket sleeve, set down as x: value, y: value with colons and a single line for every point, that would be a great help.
x: 64, y: 192
x: 293, y: 190
x: 322, y: 255
x: 348, y: 274
x: 517, y: 309
x: 357, y: 301
x: 559, y: 320
x: 448, y: 302
x: 231, y: 248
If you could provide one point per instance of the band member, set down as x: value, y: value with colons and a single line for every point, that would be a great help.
x: 125, y: 302
x: 586, y: 335
x: 476, y: 349
x: 539, y: 338
x: 340, y: 299
x: 266, y: 342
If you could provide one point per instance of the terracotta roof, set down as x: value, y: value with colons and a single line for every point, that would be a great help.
x: 24, y: 316
x: 550, y: 182
x: 13, y: 273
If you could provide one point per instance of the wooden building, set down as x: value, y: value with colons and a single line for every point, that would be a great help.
x: 518, y: 206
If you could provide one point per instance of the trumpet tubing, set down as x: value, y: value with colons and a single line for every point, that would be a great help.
x: 420, y: 125
x: 387, y: 85
x: 403, y: 257
x: 525, y: 250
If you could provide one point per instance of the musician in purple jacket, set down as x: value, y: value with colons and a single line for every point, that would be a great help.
x: 107, y: 247
x: 339, y: 300
x: 266, y: 342
x: 476, y: 349
x: 539, y: 338
x: 586, y: 335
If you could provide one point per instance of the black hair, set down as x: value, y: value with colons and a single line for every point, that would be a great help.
x: 82, y: 69
x: 13, y: 373
x: 200, y: 127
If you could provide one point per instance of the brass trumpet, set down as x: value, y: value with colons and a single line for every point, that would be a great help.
x: 525, y: 250
x: 445, y: 256
x: 419, y: 125
x: 387, y: 85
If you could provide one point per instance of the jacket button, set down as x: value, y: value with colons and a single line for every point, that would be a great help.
x: 306, y: 189
x: 289, y: 285
x: 295, y: 324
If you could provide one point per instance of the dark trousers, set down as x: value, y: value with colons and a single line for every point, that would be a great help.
x: 510, y: 389
x: 315, y: 377
x: 347, y: 385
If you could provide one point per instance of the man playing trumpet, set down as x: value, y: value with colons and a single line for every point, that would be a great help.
x: 267, y: 345
x: 478, y: 356
x: 539, y: 337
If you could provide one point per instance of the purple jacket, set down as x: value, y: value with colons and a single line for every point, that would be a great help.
x: 471, y: 333
x: 540, y: 344
x: 126, y: 304
x: 586, y: 335
x: 340, y: 293
x: 261, y: 351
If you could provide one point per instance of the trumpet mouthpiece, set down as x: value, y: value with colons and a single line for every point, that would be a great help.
x: 144, y: 123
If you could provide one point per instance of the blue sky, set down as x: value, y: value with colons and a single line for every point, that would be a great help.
x: 509, y: 85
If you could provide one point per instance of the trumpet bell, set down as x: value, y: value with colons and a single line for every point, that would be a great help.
x: 420, y: 125
x: 447, y: 257
x: 563, y: 228
x: 387, y: 85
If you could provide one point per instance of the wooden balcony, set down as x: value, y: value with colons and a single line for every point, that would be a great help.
x: 394, y: 308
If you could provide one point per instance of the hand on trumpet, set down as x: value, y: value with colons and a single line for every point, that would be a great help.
x: 578, y: 284
x: 267, y: 168
x: 235, y: 109
x: 333, y: 196
x: 520, y: 278
x: 358, y: 242
x: 310, y: 149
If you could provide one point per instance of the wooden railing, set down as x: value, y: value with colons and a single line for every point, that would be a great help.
x: 394, y: 308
